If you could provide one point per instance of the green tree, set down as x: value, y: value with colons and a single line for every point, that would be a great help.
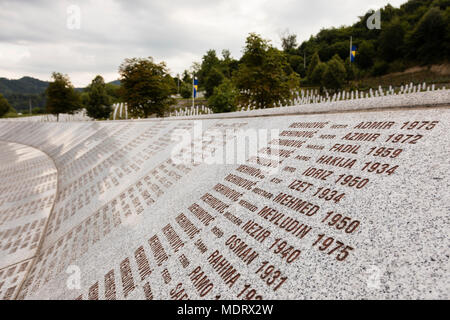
x: 186, y: 90
x: 210, y: 61
x: 335, y: 74
x: 341, y: 49
x: 172, y: 84
x: 226, y: 54
x: 228, y: 64
x: 297, y: 64
x: 213, y: 70
x: 315, y: 61
x: 187, y: 77
x: 5, y: 107
x: 113, y: 91
x: 289, y: 43
x: 224, y: 97
x: 213, y: 80
x: 37, y: 111
x: 317, y: 74
x: 98, y: 104
x: 365, y: 55
x: 380, y: 68
x: 146, y: 87
x: 447, y: 32
x: 327, y: 51
x: 427, y: 42
x: 264, y: 75
x: 61, y: 96
x: 418, y: 32
x: 391, y: 41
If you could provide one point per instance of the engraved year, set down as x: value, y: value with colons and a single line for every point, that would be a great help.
x: 271, y: 275
x: 404, y: 138
x: 341, y: 222
x: 385, y: 152
x: 379, y: 168
x: 418, y: 125
x: 330, y: 246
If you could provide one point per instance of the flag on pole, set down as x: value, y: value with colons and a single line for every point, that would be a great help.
x: 353, y: 54
x: 195, y: 87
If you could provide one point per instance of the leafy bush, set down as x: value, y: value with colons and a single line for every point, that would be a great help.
x: 380, y: 68
x: 224, y: 97
x: 98, y: 104
x: 186, y: 90
x: 397, y: 66
x: 334, y: 75
x: 4, y: 106
x: 317, y: 74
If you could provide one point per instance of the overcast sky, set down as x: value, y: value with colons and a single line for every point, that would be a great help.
x: 41, y: 36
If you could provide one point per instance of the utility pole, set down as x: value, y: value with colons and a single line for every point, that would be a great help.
x: 29, y: 104
x: 178, y: 86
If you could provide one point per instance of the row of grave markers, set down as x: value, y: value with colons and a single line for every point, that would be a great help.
x: 63, y: 117
x: 307, y: 97
x: 121, y: 111
x: 302, y: 97
x: 197, y: 110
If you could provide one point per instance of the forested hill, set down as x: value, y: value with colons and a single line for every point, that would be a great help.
x: 22, y: 92
x: 24, y: 85
x: 417, y: 33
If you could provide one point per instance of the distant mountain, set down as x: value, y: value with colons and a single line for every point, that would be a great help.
x: 27, y: 90
x: 24, y: 92
x: 25, y: 85
x: 116, y: 82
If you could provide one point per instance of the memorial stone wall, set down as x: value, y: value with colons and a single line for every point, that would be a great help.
x: 337, y: 205
x: 27, y: 193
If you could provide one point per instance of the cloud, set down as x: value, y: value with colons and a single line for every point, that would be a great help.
x: 35, y: 39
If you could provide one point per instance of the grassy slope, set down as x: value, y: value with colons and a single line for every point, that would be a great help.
x: 438, y: 74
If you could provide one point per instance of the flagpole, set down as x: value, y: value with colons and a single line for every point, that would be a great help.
x: 193, y: 92
x: 351, y: 46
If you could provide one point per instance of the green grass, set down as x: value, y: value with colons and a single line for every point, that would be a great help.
x: 395, y: 80
x: 401, y: 79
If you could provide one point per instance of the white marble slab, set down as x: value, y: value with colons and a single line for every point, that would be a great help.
x: 133, y: 224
